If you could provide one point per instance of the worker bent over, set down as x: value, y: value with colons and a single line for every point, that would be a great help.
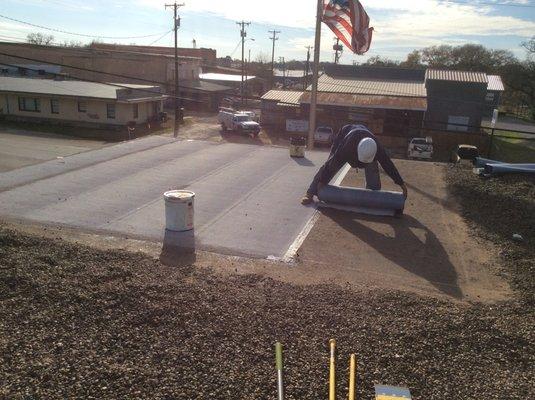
x: 356, y: 145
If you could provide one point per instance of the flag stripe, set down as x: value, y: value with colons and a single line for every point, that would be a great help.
x: 349, y: 22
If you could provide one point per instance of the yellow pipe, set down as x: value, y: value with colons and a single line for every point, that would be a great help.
x: 352, y: 377
x: 332, y: 374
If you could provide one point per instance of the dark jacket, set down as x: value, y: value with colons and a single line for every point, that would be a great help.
x: 345, y: 148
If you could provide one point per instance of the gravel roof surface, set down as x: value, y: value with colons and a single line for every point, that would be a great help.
x: 77, y: 322
x: 497, y: 208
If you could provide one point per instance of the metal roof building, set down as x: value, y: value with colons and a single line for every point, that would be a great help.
x: 495, y: 83
x: 283, y: 97
x: 80, y: 89
x: 79, y: 103
x: 456, y: 76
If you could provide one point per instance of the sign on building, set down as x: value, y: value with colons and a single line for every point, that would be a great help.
x: 296, y: 125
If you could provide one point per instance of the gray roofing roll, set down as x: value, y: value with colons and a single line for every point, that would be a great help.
x: 354, y: 197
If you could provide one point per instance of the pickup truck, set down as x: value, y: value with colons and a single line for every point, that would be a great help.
x: 420, y: 148
x: 238, y: 122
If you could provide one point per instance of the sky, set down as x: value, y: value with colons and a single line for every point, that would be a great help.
x: 400, y: 26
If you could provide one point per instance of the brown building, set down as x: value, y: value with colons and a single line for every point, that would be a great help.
x: 208, y: 56
x: 126, y: 66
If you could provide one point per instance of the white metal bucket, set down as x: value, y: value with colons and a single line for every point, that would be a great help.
x: 179, y: 210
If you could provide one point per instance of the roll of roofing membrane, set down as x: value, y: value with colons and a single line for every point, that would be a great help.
x: 480, y: 162
x: 364, y: 198
x: 502, y: 169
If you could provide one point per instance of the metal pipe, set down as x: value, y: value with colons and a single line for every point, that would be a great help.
x: 278, y: 361
x: 332, y: 371
x: 352, y: 377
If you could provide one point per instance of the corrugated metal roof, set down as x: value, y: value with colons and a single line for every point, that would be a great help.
x: 379, y: 87
x: 284, y: 97
x: 495, y: 83
x: 72, y: 88
x: 457, y: 76
x: 369, y: 101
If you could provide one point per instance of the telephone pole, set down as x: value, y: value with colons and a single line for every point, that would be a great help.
x: 337, y: 51
x: 243, y: 34
x: 273, y: 38
x: 281, y: 61
x: 307, y: 68
x: 176, y: 103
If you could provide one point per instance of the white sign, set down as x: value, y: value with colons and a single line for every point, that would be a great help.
x: 494, y: 118
x: 296, y: 125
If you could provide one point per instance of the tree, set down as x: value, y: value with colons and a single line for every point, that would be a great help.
x: 262, y: 58
x: 520, y: 78
x: 530, y: 46
x: 414, y: 60
x: 438, y: 56
x: 39, y: 38
x: 71, y: 43
x: 379, y: 61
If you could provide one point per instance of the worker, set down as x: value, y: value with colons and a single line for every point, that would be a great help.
x: 356, y: 145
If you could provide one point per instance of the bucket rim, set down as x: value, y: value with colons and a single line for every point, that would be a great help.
x: 168, y: 195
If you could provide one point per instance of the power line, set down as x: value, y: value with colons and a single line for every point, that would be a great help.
x: 160, y: 38
x: 77, y: 34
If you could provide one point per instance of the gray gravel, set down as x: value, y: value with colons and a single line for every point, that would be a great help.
x: 498, y: 208
x: 82, y: 323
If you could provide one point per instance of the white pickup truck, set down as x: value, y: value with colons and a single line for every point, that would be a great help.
x: 238, y: 122
x: 420, y: 148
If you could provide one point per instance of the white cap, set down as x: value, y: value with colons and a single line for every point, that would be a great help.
x: 367, y: 150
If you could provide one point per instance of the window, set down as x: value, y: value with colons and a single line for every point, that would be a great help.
x: 23, y: 71
x: 110, y: 110
x: 54, y: 106
x: 41, y: 72
x: 29, y: 104
x: 136, y: 110
x: 489, y: 97
x: 82, y: 106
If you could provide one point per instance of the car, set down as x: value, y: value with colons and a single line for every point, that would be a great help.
x: 420, y: 148
x: 323, y: 135
x: 238, y: 122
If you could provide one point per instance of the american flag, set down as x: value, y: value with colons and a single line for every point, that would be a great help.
x: 349, y: 22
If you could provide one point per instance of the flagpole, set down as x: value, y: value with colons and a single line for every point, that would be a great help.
x: 315, y: 73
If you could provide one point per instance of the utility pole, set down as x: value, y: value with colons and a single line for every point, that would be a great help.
x: 281, y: 60
x: 307, y: 68
x: 337, y: 51
x: 243, y: 34
x: 273, y: 38
x: 176, y: 102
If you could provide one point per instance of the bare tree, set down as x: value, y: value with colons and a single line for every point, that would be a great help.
x: 39, y: 38
x: 530, y: 45
x: 262, y: 58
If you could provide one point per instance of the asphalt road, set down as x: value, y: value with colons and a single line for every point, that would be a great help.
x: 19, y: 148
x: 247, y: 196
